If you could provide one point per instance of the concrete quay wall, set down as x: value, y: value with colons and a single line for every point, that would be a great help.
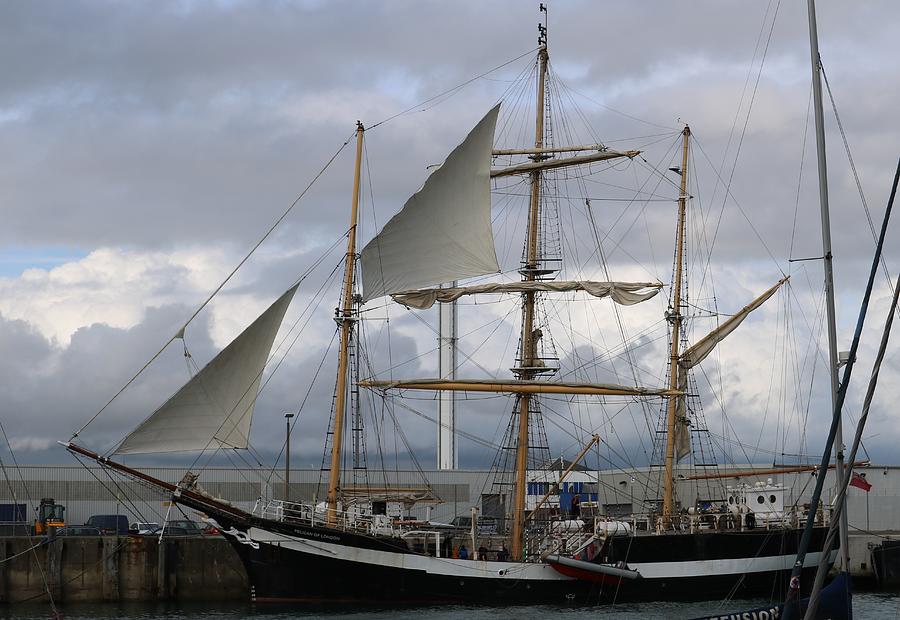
x: 119, y: 568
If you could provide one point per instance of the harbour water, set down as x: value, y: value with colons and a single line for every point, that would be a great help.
x: 866, y: 606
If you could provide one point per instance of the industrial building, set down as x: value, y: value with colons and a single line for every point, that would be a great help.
x: 86, y: 491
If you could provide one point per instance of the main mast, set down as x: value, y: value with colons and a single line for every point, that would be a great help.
x: 829, y: 269
x: 447, y: 341
x: 676, y: 319
x: 345, y: 318
x: 529, y: 273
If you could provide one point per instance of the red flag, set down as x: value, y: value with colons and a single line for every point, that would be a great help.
x: 860, y: 483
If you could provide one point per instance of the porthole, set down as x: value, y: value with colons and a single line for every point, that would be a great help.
x: 761, y: 499
x: 772, y: 499
x: 731, y: 499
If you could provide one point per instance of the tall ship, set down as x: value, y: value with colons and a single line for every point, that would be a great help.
x: 548, y: 538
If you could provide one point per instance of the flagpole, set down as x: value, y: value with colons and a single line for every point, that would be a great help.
x: 867, y: 512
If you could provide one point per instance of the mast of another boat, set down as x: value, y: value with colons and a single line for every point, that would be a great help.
x: 529, y: 274
x: 829, y: 269
x: 676, y: 319
x: 345, y: 318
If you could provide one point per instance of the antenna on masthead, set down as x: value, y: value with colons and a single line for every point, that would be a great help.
x: 542, y: 28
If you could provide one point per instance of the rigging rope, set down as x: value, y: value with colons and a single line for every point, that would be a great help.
x: 450, y: 91
x: 217, y: 289
x: 12, y: 492
x: 859, y: 189
x: 749, y: 110
x: 309, y: 311
x: 303, y: 402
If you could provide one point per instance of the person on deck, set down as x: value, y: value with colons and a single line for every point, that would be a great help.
x: 750, y: 520
x: 447, y: 547
x: 463, y: 553
x: 576, y: 506
x: 503, y: 554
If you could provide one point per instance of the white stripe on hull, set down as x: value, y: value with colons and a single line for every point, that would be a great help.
x: 729, y: 566
x: 411, y: 561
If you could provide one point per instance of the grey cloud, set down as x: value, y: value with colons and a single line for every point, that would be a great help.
x: 161, y: 124
x: 194, y: 124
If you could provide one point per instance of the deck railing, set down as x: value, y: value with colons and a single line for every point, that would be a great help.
x: 352, y: 520
x: 565, y: 536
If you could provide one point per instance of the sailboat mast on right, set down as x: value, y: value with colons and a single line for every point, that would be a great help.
x: 827, y: 262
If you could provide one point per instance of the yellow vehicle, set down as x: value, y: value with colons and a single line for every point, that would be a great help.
x: 49, y: 514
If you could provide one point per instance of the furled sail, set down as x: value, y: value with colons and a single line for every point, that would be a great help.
x: 516, y: 387
x: 215, y: 407
x: 565, y: 162
x: 624, y: 293
x: 682, y: 429
x: 443, y: 233
x: 699, y: 352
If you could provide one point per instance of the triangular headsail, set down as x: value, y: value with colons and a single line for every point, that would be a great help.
x: 443, y: 233
x: 215, y: 407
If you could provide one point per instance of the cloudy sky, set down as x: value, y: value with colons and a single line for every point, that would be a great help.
x: 147, y: 146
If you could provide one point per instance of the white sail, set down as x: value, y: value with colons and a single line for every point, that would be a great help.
x: 215, y: 407
x: 699, y: 352
x: 623, y: 293
x: 443, y: 233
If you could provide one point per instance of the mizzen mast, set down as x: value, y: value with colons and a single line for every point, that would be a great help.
x: 529, y: 273
x: 675, y: 319
x: 345, y: 318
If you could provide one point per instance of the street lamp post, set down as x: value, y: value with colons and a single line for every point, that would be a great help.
x: 287, y: 454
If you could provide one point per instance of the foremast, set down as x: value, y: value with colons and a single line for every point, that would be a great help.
x: 345, y: 318
x: 676, y: 320
x: 529, y: 273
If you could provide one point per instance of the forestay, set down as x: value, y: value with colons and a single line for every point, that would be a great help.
x: 443, y: 233
x: 624, y: 293
x: 214, y: 409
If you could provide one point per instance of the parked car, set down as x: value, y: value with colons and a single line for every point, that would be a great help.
x: 142, y: 527
x: 110, y: 524
x: 191, y: 527
x: 78, y: 530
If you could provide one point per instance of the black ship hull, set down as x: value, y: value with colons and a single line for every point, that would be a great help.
x: 287, y: 563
